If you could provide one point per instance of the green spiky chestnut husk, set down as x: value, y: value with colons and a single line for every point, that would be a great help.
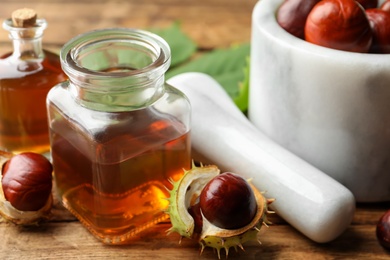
x: 185, y: 196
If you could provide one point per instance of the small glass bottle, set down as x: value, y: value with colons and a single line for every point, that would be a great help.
x: 26, y: 76
x: 119, y: 133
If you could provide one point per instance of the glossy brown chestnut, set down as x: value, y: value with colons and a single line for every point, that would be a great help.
x: 228, y: 201
x: 383, y: 230
x: 292, y: 14
x: 339, y: 24
x: 194, y: 211
x: 27, y: 181
x: 380, y: 24
x: 385, y: 6
x: 366, y: 4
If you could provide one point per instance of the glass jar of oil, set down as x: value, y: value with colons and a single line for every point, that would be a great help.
x: 119, y: 133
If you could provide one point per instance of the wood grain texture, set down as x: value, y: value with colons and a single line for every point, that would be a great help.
x: 63, y: 237
x: 69, y: 240
x: 211, y: 24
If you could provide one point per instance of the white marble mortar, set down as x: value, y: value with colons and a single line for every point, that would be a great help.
x: 329, y: 107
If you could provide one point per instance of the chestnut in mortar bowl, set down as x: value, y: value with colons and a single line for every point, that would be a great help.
x: 339, y: 24
x: 380, y: 23
x: 292, y: 15
x: 325, y: 105
x: 367, y: 4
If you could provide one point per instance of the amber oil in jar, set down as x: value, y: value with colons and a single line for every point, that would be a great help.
x: 118, y: 132
x: 26, y: 76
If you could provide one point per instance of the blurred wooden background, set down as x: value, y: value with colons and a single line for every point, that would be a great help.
x: 211, y: 23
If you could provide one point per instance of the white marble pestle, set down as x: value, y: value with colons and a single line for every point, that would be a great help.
x: 308, y: 199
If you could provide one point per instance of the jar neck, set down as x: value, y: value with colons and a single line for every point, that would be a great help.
x: 27, y: 42
x: 112, y: 95
x: 116, y: 69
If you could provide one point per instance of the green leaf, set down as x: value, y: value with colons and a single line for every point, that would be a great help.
x: 242, y: 99
x: 182, y: 46
x: 226, y: 67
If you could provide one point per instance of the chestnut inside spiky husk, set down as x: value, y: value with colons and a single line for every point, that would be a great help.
x: 218, y: 210
x: 25, y: 188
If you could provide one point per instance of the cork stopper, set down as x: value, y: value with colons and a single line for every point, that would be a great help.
x: 24, y: 18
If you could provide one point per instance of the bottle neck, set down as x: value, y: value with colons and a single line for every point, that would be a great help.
x: 26, y: 49
x: 27, y: 42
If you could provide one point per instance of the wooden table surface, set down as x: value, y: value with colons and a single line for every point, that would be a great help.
x: 211, y: 24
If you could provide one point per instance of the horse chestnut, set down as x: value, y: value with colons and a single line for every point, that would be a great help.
x: 27, y: 181
x: 366, y: 4
x: 385, y: 6
x: 227, y: 201
x: 292, y: 14
x: 219, y: 210
x: 339, y: 24
x: 380, y: 24
x: 383, y: 230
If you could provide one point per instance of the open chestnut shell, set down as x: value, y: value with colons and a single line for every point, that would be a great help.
x: 201, y: 208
